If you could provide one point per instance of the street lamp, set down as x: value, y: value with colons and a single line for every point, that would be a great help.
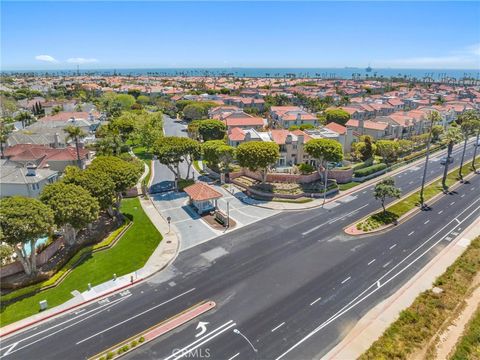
x: 169, y: 219
x: 228, y: 214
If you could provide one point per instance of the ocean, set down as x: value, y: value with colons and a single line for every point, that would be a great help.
x: 324, y: 73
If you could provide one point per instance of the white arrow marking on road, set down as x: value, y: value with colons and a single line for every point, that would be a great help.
x: 203, y: 326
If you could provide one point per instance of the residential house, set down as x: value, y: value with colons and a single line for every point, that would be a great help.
x: 287, y: 116
x: 25, y: 180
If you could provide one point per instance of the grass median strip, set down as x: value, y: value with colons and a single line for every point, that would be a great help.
x: 421, y: 321
x: 129, y: 254
x: 403, y: 206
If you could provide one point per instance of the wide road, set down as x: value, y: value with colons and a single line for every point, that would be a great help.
x: 292, y: 284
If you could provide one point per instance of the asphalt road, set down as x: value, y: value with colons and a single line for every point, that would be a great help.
x: 292, y: 284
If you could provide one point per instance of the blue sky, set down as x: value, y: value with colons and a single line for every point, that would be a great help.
x: 59, y: 35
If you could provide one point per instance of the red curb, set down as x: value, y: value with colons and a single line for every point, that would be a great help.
x: 178, y: 321
x: 71, y: 308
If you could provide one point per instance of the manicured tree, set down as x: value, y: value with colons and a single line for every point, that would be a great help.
x: 210, y: 152
x: 339, y: 116
x: 434, y: 118
x: 124, y: 174
x: 388, y: 150
x: 194, y: 112
x: 386, y: 189
x: 258, y: 156
x: 192, y: 129
x: 96, y: 182
x: 125, y: 124
x: 22, y: 221
x: 75, y: 133
x: 468, y: 122
x: 450, y: 137
x: 212, y: 130
x: 324, y: 151
x: 148, y: 128
x: 226, y: 155
x: 73, y: 207
x: 173, y: 150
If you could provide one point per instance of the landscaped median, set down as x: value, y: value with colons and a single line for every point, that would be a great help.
x: 420, y: 323
x: 154, y: 332
x: 402, y: 208
x: 130, y: 253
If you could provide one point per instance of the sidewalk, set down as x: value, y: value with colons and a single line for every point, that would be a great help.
x: 372, y: 325
x: 163, y: 255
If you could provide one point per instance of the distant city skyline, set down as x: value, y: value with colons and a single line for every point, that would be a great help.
x: 103, y: 35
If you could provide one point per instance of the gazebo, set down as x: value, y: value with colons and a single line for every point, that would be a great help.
x: 203, y: 197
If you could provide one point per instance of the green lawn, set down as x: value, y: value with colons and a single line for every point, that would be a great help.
x: 413, y: 200
x: 129, y: 254
x: 349, y: 185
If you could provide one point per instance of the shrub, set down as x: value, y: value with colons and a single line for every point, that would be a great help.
x: 305, y: 168
x: 134, y: 343
x: 369, y: 170
x: 110, y: 355
x: 141, y: 340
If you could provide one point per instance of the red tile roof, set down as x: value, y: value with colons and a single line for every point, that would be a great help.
x: 236, y: 134
x: 336, y: 127
x: 244, y: 121
x: 202, y: 192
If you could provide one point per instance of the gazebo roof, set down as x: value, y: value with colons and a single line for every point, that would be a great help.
x: 202, y: 192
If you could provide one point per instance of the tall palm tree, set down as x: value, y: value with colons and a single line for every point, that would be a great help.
x: 476, y: 131
x: 433, y: 117
x: 467, y: 122
x: 450, y: 137
x: 75, y: 133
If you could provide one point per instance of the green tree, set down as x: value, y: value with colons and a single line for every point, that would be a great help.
x: 364, y: 149
x: 218, y: 154
x: 212, y: 130
x: 97, y: 183
x: 258, y: 156
x: 437, y: 131
x: 5, y: 131
x: 386, y: 189
x: 75, y: 133
x: 25, y: 117
x: 22, y: 221
x: 468, y: 123
x: 339, y: 116
x: 324, y: 151
x: 194, y: 112
x: 450, y: 137
x: 124, y: 124
x: 388, y: 150
x: 173, y: 150
x: 124, y: 174
x: 73, y: 207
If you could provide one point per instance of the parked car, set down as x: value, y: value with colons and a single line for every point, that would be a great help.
x: 443, y: 160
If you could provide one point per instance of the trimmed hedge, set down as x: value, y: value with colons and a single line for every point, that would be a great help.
x: 369, y: 170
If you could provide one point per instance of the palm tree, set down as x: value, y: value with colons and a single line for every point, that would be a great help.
x: 451, y: 136
x: 433, y: 117
x: 476, y: 130
x: 467, y: 122
x: 75, y: 133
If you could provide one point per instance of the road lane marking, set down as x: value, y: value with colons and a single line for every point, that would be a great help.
x: 332, y: 221
x: 410, y: 183
x: 385, y: 265
x: 426, y: 222
x: 314, y: 302
x: 441, y: 211
x: 458, y: 220
x: 453, y: 202
x: 67, y: 321
x: 10, y: 348
x: 348, y: 278
x: 206, y: 338
x: 391, y: 247
x: 411, y: 233
x: 373, y: 288
x: 371, y: 262
x: 463, y: 195
x: 234, y: 356
x: 278, y: 327
x: 135, y: 316
x: 108, y: 306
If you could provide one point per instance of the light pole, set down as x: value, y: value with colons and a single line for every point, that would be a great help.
x: 325, y: 180
x: 228, y: 214
x: 169, y: 219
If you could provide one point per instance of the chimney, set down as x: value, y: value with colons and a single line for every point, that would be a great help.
x: 56, y: 142
x: 361, y: 126
x: 288, y: 139
x: 31, y: 170
x: 300, y: 139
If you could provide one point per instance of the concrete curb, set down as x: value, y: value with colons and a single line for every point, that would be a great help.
x: 372, y: 325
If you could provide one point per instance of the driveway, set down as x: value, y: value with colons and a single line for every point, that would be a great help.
x: 191, y: 229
